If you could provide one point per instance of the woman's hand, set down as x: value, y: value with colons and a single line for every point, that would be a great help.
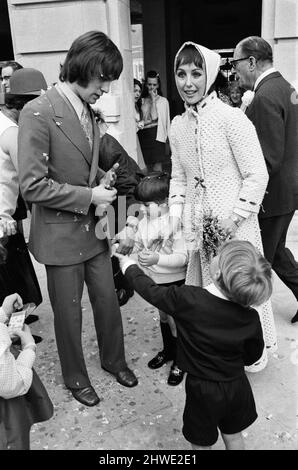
x: 148, y: 258
x: 125, y: 240
x: 25, y: 336
x: 8, y: 227
x: 229, y: 226
x: 11, y: 303
x: 154, y: 95
x: 140, y: 125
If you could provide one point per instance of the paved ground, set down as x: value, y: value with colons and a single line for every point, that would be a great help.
x: 149, y: 416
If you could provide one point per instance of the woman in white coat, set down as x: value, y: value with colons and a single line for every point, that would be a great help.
x: 218, y: 166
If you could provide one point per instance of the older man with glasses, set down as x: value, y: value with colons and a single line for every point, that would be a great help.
x: 7, y: 70
x: 274, y: 112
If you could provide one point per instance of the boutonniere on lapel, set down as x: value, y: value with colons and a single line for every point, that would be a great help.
x: 247, y: 98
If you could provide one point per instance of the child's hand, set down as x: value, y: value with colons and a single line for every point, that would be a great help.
x: 11, y: 303
x: 148, y: 258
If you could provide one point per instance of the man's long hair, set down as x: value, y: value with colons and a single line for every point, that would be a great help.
x: 92, y: 55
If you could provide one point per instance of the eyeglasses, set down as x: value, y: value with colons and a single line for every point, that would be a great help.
x: 6, y: 77
x: 234, y: 61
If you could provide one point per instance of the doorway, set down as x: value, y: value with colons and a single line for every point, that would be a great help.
x: 6, y: 48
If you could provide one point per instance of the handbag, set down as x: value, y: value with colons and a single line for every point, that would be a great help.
x: 17, y: 273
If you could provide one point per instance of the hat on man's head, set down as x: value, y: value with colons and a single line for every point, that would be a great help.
x: 27, y: 81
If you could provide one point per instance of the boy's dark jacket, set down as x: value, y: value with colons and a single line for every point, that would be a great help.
x: 216, y: 337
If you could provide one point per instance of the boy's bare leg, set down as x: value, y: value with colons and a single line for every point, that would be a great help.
x: 233, y: 441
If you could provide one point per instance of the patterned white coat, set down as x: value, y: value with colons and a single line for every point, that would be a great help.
x: 219, y: 145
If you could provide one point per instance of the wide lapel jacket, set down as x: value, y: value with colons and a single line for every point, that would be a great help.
x: 274, y: 114
x: 67, y: 120
x: 55, y: 160
x: 71, y: 127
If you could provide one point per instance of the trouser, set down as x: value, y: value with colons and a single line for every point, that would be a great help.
x: 65, y: 286
x: 274, y: 233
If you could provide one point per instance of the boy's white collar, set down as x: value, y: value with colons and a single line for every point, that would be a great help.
x: 215, y: 291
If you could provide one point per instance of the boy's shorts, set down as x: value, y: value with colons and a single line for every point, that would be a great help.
x: 229, y: 406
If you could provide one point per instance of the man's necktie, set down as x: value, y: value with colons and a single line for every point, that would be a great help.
x: 87, y: 125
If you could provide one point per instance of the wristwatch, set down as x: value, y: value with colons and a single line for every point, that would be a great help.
x: 236, y: 219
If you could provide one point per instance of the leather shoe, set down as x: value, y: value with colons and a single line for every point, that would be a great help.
x: 295, y: 318
x: 126, y: 377
x: 87, y: 396
x: 159, y: 360
x: 176, y: 375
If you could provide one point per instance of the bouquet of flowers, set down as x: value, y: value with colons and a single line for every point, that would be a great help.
x: 213, y: 235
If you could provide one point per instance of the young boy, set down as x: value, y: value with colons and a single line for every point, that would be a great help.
x: 218, y: 334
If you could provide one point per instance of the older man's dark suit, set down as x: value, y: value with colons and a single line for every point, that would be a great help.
x: 54, y: 164
x: 274, y: 112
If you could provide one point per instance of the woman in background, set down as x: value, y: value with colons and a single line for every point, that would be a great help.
x: 137, y: 91
x: 156, y: 116
x: 235, y: 94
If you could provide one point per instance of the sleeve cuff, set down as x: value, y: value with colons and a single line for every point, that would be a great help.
x: 241, y: 212
x: 126, y: 264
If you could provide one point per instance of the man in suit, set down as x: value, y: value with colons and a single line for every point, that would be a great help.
x: 58, y: 164
x: 274, y: 112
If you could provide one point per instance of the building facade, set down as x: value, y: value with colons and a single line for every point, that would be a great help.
x: 43, y: 30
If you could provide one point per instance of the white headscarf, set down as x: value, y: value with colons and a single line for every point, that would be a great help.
x: 211, y: 60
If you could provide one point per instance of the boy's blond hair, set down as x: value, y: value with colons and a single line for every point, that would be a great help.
x: 245, y: 275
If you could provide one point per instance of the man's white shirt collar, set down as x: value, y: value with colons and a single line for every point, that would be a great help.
x: 263, y: 75
x: 74, y: 100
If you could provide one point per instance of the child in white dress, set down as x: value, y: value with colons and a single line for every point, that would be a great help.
x: 166, y: 265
